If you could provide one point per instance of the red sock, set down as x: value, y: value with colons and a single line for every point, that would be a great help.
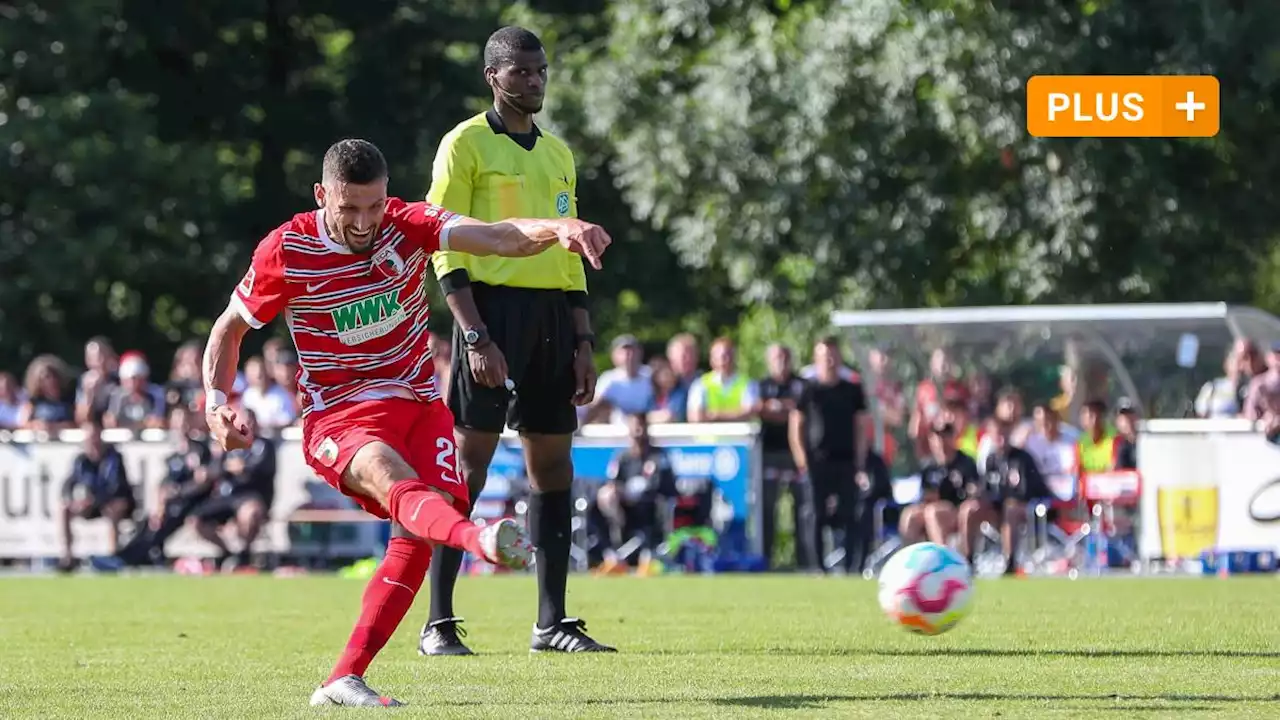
x: 427, y: 514
x: 387, y: 598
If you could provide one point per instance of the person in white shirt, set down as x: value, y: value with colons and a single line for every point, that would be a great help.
x: 723, y: 395
x: 627, y: 388
x: 1052, y: 449
x: 274, y: 406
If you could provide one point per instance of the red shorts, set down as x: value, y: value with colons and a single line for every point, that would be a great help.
x: 420, y: 432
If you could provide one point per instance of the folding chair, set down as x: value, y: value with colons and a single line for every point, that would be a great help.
x: 1054, y: 542
x: 906, y: 491
x: 1102, y: 493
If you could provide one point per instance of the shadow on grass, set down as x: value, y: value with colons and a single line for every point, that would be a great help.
x: 1123, y: 702
x: 1018, y: 652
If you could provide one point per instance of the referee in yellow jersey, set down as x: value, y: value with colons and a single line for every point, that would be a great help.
x: 521, y: 319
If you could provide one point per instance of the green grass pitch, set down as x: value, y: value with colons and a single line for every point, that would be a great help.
x: 714, y: 647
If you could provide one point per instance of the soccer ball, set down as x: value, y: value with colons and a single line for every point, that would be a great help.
x: 926, y: 588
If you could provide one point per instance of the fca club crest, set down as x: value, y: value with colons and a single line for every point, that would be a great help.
x: 388, y: 262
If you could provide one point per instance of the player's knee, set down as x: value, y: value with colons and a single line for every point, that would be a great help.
x: 550, y: 471
x: 969, y: 508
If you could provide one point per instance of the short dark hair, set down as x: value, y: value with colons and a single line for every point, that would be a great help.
x: 830, y: 341
x: 358, y: 162
x: 505, y: 43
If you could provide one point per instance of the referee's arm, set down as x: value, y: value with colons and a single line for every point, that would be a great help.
x: 578, y: 286
x: 451, y: 188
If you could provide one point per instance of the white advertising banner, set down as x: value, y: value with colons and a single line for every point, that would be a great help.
x: 32, y: 475
x: 1207, y: 485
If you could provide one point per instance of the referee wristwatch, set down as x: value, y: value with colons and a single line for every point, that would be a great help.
x: 587, y: 338
x: 475, y: 337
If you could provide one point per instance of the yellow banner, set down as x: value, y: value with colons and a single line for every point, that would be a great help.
x: 1188, y: 520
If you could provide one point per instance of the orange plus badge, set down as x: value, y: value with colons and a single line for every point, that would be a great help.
x: 1122, y: 106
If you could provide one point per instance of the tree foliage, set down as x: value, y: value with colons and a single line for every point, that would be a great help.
x: 759, y: 164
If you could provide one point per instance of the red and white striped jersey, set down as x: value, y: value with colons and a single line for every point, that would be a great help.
x: 358, y: 320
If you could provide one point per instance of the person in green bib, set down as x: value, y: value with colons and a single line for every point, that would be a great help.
x: 724, y: 394
x: 1097, y: 444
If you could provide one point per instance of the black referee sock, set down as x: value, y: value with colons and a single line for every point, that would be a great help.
x: 445, y: 564
x: 550, y: 522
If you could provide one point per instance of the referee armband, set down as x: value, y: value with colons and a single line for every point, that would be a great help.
x: 455, y: 280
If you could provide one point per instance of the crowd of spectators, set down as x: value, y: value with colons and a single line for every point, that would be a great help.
x: 946, y: 415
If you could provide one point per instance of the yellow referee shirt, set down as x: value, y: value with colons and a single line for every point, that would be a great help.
x: 482, y: 172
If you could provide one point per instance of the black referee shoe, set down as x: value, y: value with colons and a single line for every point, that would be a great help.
x: 443, y: 637
x: 569, y: 636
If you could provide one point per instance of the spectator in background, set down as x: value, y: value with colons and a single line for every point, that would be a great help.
x: 1126, y: 436
x: 722, y: 395
x: 1053, y: 451
x: 186, y: 383
x: 49, y: 407
x: 982, y: 399
x: 947, y: 479
x: 779, y: 392
x: 188, y: 473
x: 626, y: 388
x: 10, y: 402
x: 892, y: 404
x: 931, y: 393
x: 1012, y: 479
x: 1009, y: 409
x: 242, y: 490
x: 98, y: 487
x: 664, y: 389
x: 272, y: 350
x: 1224, y: 397
x: 93, y: 399
x: 284, y: 371
x: 136, y: 404
x: 1096, y: 448
x: 955, y: 412
x: 826, y: 433
x: 631, y: 501
x: 682, y: 353
x: 1067, y: 384
x: 274, y: 406
x: 1263, y: 396
x: 100, y: 357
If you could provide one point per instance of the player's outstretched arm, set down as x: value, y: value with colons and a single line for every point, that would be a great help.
x: 524, y: 237
x: 221, y: 358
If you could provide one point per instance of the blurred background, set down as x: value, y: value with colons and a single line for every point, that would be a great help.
x: 760, y: 164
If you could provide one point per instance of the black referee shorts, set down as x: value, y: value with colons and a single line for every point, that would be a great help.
x: 534, y: 330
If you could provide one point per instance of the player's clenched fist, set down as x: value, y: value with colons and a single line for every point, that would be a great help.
x: 228, y: 429
x: 585, y: 239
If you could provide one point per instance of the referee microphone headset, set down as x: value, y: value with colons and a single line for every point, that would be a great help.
x: 505, y: 92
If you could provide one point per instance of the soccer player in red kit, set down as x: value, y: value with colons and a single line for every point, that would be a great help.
x: 349, y: 278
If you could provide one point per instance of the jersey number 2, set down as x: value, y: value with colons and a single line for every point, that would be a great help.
x: 444, y: 459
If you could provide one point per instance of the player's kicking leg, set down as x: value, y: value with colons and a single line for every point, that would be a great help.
x: 423, y: 515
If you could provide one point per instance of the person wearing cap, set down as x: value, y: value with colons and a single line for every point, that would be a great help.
x: 626, y: 389
x: 724, y: 394
x: 947, y: 478
x: 136, y: 404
